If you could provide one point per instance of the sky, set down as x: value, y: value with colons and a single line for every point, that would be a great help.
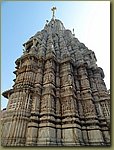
x: 21, y: 20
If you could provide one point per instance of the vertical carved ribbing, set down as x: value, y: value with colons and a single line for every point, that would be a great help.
x: 59, y: 96
x: 100, y: 98
x: 32, y: 130
x: 47, y: 131
x: 70, y: 119
x: 87, y: 102
x: 58, y: 106
x: 90, y: 113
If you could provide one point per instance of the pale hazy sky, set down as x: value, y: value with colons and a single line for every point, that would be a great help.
x: 21, y: 20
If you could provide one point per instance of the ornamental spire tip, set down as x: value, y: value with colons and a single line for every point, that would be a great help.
x: 53, y: 11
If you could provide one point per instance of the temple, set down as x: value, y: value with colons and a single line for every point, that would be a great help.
x: 59, y: 97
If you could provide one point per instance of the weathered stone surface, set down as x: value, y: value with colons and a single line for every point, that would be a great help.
x: 59, y: 97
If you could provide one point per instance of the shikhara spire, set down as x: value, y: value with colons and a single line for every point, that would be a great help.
x: 59, y: 96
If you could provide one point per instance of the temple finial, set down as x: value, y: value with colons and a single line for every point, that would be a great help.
x: 53, y: 10
x: 73, y: 32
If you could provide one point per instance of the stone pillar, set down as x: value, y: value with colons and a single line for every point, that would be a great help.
x: 58, y: 107
x: 47, y: 128
x: 91, y: 122
x: 84, y: 138
x: 33, y: 125
x: 103, y: 93
x: 20, y: 101
x: 102, y: 103
x: 16, y: 119
x: 71, y: 129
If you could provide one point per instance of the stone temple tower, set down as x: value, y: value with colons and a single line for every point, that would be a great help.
x: 59, y: 97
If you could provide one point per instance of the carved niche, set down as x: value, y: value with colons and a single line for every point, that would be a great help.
x: 49, y: 78
x: 88, y: 107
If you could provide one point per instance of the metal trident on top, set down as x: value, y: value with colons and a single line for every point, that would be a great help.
x: 53, y: 10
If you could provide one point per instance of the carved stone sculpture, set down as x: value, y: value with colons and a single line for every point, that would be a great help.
x: 59, y: 97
